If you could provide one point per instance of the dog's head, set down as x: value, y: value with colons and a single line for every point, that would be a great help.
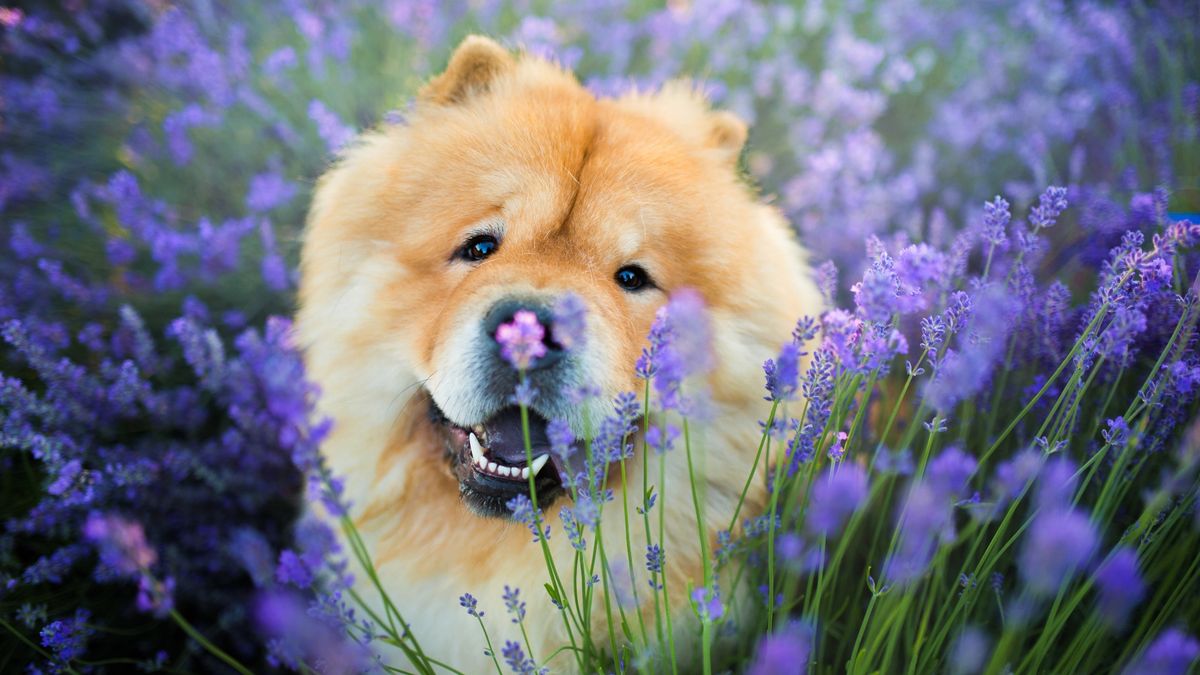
x: 509, y: 187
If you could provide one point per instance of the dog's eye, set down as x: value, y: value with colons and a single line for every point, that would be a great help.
x: 479, y: 247
x: 632, y: 277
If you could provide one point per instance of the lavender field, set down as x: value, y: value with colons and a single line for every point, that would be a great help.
x: 987, y: 453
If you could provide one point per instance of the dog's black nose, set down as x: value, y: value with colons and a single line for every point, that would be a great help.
x: 505, y: 311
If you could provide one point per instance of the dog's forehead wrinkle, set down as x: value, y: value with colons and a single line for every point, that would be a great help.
x: 577, y: 177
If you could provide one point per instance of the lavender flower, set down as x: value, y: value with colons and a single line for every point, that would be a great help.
x: 122, y: 543
x: 964, y: 372
x: 838, y: 492
x: 662, y: 437
x: 299, y: 635
x: 1117, y: 432
x: 154, y: 596
x: 1058, y: 544
x: 331, y: 129
x: 1055, y: 485
x: 1121, y: 587
x: 655, y: 559
x: 784, y: 653
x: 573, y: 527
x: 1050, y: 206
x: 783, y: 372
x: 515, y: 657
x: 523, y: 512
x: 818, y: 391
x: 707, y: 602
x: 925, y: 519
x: 524, y: 394
x: 970, y: 652
x: 269, y: 190
x: 67, y: 638
x: 1014, y: 475
x: 949, y: 472
x: 471, y: 604
x: 684, y: 352
x: 521, y: 340
x: 570, y: 321
x: 514, y: 604
x: 995, y: 221
x: 1173, y: 652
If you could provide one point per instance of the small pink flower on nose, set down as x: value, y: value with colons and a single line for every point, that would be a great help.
x: 521, y: 339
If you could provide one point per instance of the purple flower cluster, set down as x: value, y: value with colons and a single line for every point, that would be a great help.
x: 178, y: 460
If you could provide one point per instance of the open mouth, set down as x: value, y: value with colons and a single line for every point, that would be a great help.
x: 491, y: 464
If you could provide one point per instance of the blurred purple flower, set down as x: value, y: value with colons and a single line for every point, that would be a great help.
x: 121, y: 543
x: 838, y: 492
x: 685, y: 350
x: 1120, y: 586
x: 967, y: 370
x: 1058, y: 544
x: 269, y: 190
x: 154, y: 596
x: 297, y: 637
x: 521, y: 339
x: 785, y: 652
x: 662, y: 437
x: 178, y: 124
x: 1173, y: 652
x: 708, y: 603
x: 1055, y: 485
x: 330, y: 128
x: 570, y: 321
x: 1014, y: 474
x: 949, y: 473
x: 970, y: 652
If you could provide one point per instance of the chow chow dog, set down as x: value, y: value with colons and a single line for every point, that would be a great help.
x: 509, y: 186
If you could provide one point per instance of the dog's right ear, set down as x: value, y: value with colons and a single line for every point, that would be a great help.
x: 473, y: 67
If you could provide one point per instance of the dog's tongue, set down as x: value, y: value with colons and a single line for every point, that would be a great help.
x: 506, y: 439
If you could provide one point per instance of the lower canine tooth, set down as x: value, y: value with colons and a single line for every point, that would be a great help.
x: 539, y: 463
x: 476, y: 448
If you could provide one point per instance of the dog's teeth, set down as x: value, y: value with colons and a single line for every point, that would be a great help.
x: 505, y: 471
x: 539, y: 463
x: 525, y: 473
x: 491, y: 467
x: 476, y: 449
x: 481, y: 462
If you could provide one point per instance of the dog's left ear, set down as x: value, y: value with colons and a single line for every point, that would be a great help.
x: 727, y: 136
x: 473, y: 67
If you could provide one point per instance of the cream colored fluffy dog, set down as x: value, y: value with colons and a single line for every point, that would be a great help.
x: 510, y: 186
